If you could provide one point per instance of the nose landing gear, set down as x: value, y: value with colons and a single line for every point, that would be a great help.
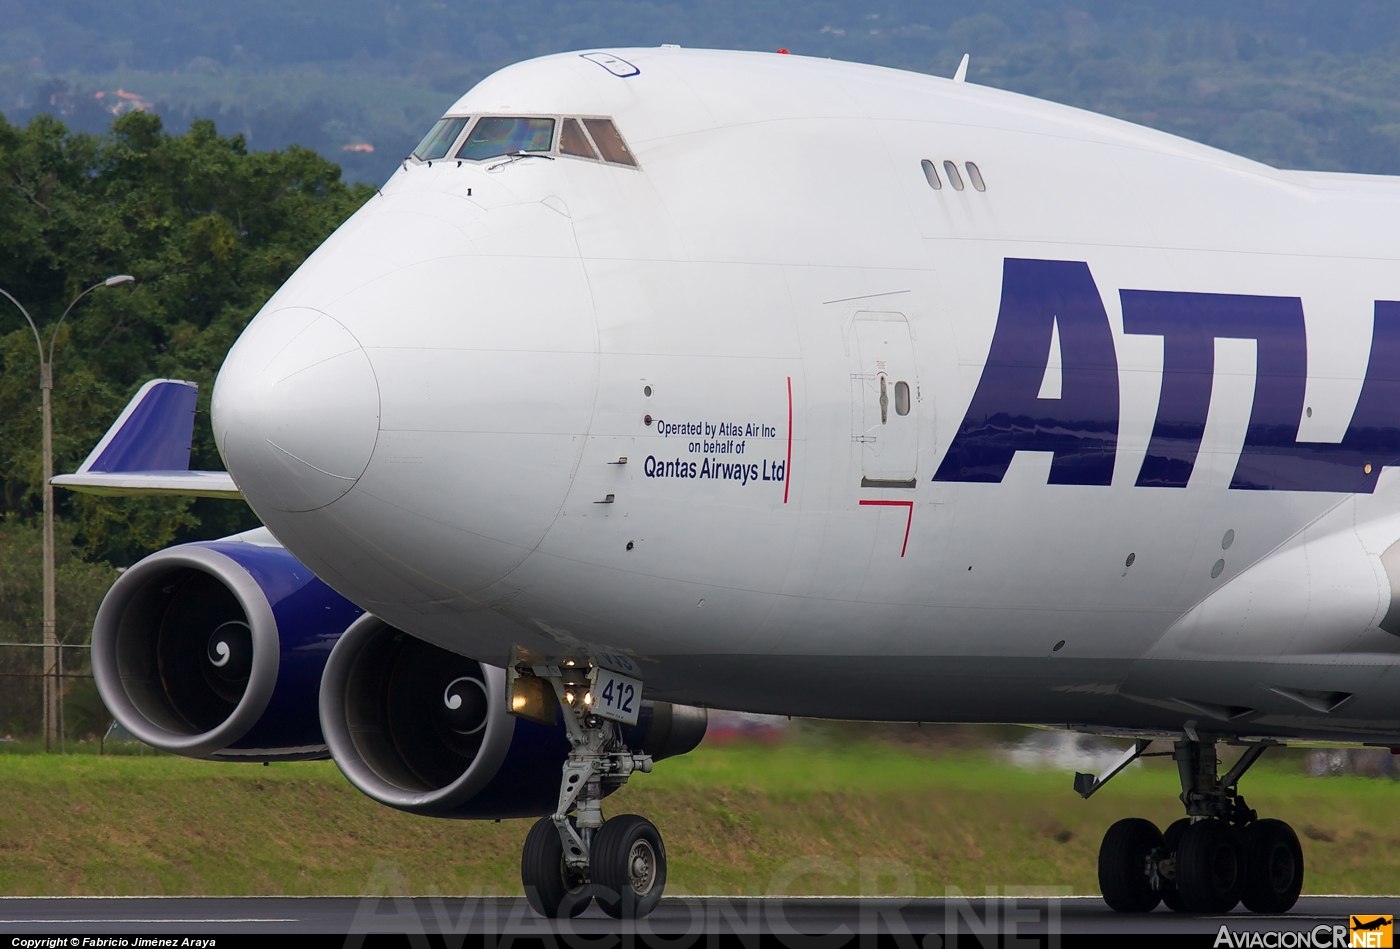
x: 1210, y: 861
x: 574, y: 857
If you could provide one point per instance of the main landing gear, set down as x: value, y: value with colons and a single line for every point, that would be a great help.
x: 1219, y: 855
x: 575, y: 857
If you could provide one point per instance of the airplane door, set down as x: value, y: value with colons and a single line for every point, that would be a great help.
x: 885, y: 409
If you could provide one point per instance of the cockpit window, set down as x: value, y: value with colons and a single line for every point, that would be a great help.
x: 437, y: 142
x: 609, y: 141
x: 494, y: 136
x: 572, y: 141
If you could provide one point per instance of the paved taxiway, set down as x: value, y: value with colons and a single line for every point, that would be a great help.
x: 675, y: 916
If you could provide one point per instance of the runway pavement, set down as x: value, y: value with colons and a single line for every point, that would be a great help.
x: 675, y: 916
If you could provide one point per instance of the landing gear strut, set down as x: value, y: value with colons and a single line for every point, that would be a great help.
x: 1220, y: 854
x: 574, y: 857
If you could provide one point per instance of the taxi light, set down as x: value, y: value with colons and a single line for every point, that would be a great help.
x: 569, y: 697
x: 518, y: 702
x: 588, y: 698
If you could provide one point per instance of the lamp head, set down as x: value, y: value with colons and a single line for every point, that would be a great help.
x: 118, y: 280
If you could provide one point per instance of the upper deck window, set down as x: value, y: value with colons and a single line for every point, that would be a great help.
x: 974, y: 174
x: 440, y: 138
x: 494, y: 136
x: 609, y: 141
x: 954, y: 179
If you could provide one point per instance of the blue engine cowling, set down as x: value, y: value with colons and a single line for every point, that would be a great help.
x: 426, y: 730
x: 215, y: 650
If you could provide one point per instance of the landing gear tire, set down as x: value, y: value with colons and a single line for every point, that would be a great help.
x: 1171, y: 842
x: 1274, y: 867
x: 1210, y: 867
x: 552, y: 889
x: 628, y: 862
x: 1123, y: 865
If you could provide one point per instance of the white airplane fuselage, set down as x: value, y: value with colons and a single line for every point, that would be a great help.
x: 655, y: 414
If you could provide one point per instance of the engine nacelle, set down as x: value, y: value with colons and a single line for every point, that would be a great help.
x: 215, y: 650
x: 426, y: 730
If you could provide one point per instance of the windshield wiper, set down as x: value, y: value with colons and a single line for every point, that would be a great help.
x: 517, y: 157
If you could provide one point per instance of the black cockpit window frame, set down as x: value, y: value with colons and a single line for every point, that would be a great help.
x: 615, y: 152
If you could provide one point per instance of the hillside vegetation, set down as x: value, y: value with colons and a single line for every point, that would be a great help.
x: 1293, y: 82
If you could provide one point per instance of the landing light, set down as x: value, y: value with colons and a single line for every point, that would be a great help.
x: 533, y: 698
x: 569, y: 697
x: 588, y: 698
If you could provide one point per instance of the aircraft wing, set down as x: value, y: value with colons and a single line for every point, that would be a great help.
x: 147, y: 450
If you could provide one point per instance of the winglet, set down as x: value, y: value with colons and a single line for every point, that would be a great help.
x: 147, y: 449
x: 961, y: 74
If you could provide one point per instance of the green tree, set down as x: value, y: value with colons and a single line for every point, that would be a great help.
x: 209, y: 229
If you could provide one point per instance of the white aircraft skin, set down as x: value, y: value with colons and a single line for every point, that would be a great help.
x: 433, y: 412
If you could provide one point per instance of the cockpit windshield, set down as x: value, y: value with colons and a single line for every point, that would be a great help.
x: 495, y: 136
x: 593, y: 139
x: 440, y: 138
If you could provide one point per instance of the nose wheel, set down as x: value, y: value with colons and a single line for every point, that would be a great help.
x: 1210, y: 862
x: 629, y: 867
x: 553, y: 888
x: 573, y: 857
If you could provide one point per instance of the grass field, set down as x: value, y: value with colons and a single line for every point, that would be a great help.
x: 801, y: 817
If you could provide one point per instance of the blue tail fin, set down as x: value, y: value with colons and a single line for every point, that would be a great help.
x: 153, y: 433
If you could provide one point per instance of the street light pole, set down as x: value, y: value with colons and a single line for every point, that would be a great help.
x: 52, y: 685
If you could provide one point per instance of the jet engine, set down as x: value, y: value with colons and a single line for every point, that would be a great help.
x: 426, y: 730
x: 215, y: 650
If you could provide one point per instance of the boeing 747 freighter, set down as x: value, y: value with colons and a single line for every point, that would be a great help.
x: 662, y: 379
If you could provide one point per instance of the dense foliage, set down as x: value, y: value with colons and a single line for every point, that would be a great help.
x: 208, y: 228
x: 1292, y: 82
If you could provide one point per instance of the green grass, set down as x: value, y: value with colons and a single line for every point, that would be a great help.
x: 739, y: 819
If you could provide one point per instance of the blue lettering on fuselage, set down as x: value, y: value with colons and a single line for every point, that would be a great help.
x: 1007, y: 415
x: 1189, y: 324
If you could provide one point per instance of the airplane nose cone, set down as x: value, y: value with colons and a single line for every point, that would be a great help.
x: 296, y: 410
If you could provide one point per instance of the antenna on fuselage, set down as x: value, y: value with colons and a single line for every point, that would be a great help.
x: 961, y: 74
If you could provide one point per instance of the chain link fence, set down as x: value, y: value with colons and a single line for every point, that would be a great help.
x: 82, y: 718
